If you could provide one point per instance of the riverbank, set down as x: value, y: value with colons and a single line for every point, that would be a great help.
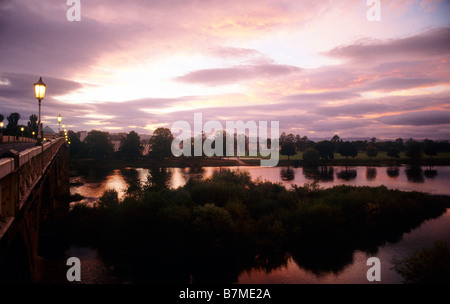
x: 297, y: 161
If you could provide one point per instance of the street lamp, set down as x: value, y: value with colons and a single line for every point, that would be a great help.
x: 59, y: 124
x: 39, y: 89
x: 21, y: 129
x: 1, y: 127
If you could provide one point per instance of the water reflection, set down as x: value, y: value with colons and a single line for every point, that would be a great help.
x: 287, y: 174
x: 321, y: 262
x: 403, y: 178
x: 158, y: 178
x: 347, y: 174
x: 393, y: 172
x: 371, y: 173
x: 322, y: 173
x: 414, y: 174
x: 429, y: 173
x: 133, y: 179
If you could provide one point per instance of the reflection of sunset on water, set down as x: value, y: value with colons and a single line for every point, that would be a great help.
x: 402, y: 178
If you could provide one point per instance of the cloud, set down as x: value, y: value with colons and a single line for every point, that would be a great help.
x: 322, y: 96
x: 222, y: 76
x: 337, y: 125
x: 382, y: 106
x: 233, y: 52
x: 53, y: 46
x: 422, y: 118
x: 352, y: 109
x: 389, y: 84
x: 434, y: 42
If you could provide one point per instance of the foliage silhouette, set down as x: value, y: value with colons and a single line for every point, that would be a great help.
x: 211, y: 230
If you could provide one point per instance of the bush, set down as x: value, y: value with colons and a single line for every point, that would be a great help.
x: 426, y: 266
x: 311, y: 157
x: 109, y: 199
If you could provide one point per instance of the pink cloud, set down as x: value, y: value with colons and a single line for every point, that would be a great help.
x: 222, y: 76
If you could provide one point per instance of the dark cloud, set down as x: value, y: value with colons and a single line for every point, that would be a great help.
x: 422, y: 118
x: 20, y: 86
x: 53, y: 46
x: 352, y: 109
x: 382, y: 105
x: 335, y: 126
x: 435, y: 42
x: 398, y: 83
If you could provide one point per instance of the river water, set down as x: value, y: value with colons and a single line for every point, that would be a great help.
x: 434, y: 180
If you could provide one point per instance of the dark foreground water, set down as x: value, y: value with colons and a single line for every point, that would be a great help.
x: 435, y: 180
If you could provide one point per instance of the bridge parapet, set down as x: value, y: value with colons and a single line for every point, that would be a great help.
x: 19, y: 173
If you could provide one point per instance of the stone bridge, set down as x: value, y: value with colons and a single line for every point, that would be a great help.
x: 33, y: 185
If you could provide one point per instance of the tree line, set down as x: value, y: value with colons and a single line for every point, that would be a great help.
x: 326, y: 149
x: 12, y: 128
x: 99, y: 146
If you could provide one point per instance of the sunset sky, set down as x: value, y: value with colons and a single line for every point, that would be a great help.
x: 318, y: 67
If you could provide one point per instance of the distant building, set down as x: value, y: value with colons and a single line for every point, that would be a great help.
x: 116, y: 140
x: 49, y: 133
x: 146, y: 146
x: 82, y: 135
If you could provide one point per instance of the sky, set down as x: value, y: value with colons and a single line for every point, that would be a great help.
x: 318, y: 67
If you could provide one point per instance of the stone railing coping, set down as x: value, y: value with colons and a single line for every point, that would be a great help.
x: 7, y: 164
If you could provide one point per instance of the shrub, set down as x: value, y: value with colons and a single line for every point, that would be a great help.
x: 426, y: 266
x: 109, y: 199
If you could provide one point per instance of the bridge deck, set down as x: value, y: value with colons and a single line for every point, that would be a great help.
x: 19, y: 147
x: 18, y: 176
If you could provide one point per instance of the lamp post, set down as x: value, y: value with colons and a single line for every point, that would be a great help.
x: 39, y: 89
x: 1, y: 127
x: 59, y: 124
x: 21, y: 129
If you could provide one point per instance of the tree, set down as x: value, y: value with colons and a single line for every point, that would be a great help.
x: 220, y: 135
x: 131, y: 147
x: 400, y: 144
x: 413, y: 150
x: 160, y: 144
x: 326, y: 149
x: 99, y: 145
x: 304, y: 143
x: 13, y: 121
x: 336, y: 140
x: 33, y: 124
x: 288, y: 149
x: 347, y: 149
x: 298, y: 142
x: 109, y: 199
x: 311, y: 157
x: 393, y: 152
x: 430, y: 148
x: 77, y: 148
x: 371, y: 150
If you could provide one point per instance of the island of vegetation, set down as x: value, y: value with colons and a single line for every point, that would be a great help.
x: 211, y: 230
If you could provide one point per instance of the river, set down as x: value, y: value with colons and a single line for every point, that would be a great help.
x: 432, y: 180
